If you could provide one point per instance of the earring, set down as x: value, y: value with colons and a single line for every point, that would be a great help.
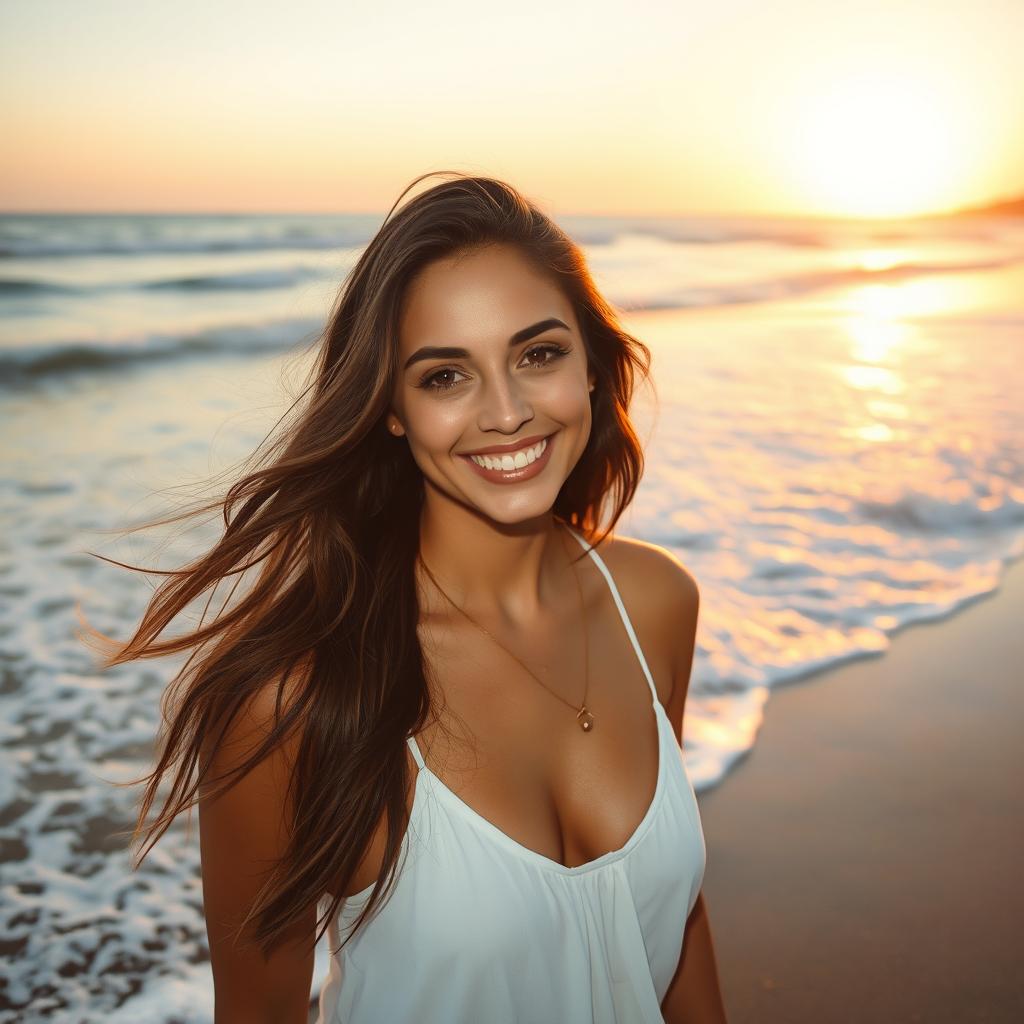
x: 591, y: 388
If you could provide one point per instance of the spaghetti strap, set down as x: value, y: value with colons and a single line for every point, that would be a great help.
x: 414, y: 747
x: 599, y: 562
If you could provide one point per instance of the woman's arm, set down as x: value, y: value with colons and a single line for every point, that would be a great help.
x: 694, y: 995
x: 241, y: 833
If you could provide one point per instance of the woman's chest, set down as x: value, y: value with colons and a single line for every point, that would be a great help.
x: 507, y: 738
x: 504, y: 738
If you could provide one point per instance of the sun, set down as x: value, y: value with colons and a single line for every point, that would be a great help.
x: 879, y: 144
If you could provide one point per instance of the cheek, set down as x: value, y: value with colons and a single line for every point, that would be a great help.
x: 434, y: 426
x: 568, y: 402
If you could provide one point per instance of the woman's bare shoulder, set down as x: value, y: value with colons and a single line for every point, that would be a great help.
x: 662, y: 598
x: 650, y: 570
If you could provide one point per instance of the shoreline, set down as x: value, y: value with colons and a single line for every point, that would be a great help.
x: 864, y: 857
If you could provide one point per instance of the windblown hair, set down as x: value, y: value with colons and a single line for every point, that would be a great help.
x: 326, y: 514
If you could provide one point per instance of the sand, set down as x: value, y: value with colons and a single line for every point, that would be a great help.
x: 864, y: 860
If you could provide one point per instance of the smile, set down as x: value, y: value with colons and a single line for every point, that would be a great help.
x: 511, y: 467
x: 512, y: 460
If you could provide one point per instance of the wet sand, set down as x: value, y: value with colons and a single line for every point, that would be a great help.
x: 864, y: 860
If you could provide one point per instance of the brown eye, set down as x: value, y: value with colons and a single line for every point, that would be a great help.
x: 433, y: 382
x: 555, y: 351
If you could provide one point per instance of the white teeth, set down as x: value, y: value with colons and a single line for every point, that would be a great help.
x: 512, y: 460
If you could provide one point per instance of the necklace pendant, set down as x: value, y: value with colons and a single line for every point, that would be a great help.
x: 585, y: 718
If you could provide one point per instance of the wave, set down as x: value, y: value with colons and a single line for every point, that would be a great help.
x: 249, y: 279
x: 691, y: 231
x: 926, y: 514
x: 68, y: 357
x: 111, y: 236
x: 282, y: 277
x: 794, y: 285
x: 15, y: 286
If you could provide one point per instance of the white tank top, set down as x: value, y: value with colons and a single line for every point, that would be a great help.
x: 480, y: 928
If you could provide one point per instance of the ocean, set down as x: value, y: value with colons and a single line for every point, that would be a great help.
x: 834, y: 444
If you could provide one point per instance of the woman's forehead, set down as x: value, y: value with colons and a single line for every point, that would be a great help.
x: 466, y: 300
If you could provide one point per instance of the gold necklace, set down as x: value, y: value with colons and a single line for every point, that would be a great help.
x: 583, y: 715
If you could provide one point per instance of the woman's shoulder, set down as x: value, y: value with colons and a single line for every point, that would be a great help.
x: 656, y: 575
x: 662, y: 598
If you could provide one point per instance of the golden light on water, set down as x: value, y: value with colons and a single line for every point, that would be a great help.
x: 887, y: 410
x: 874, y: 336
x: 879, y: 379
x: 881, y: 302
x: 876, y: 311
x: 877, y: 335
x: 875, y: 432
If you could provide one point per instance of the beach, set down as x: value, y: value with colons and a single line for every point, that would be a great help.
x: 833, y: 448
x: 864, y: 858
x: 783, y: 244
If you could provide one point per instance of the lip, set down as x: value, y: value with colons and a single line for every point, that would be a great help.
x: 512, y: 446
x: 515, y: 476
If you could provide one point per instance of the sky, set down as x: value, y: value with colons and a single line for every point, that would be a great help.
x: 826, y: 107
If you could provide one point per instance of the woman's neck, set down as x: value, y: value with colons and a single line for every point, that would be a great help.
x: 493, y: 571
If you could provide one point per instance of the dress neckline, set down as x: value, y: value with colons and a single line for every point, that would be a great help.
x: 542, y: 860
x: 545, y: 863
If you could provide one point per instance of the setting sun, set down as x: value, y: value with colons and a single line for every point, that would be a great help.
x: 882, y: 144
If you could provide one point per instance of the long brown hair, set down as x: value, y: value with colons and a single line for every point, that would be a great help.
x: 327, y: 514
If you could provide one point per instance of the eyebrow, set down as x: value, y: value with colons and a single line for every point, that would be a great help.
x: 448, y: 352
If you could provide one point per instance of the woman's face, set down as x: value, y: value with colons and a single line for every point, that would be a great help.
x: 491, y: 357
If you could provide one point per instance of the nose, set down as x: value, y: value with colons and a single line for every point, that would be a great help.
x: 503, y: 407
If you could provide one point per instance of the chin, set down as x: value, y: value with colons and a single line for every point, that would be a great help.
x: 517, y: 517
x: 512, y: 509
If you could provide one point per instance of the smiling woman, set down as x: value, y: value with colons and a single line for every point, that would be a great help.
x: 505, y: 462
x: 416, y: 535
x: 495, y: 384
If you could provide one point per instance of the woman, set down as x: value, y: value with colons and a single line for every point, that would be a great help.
x: 443, y: 723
